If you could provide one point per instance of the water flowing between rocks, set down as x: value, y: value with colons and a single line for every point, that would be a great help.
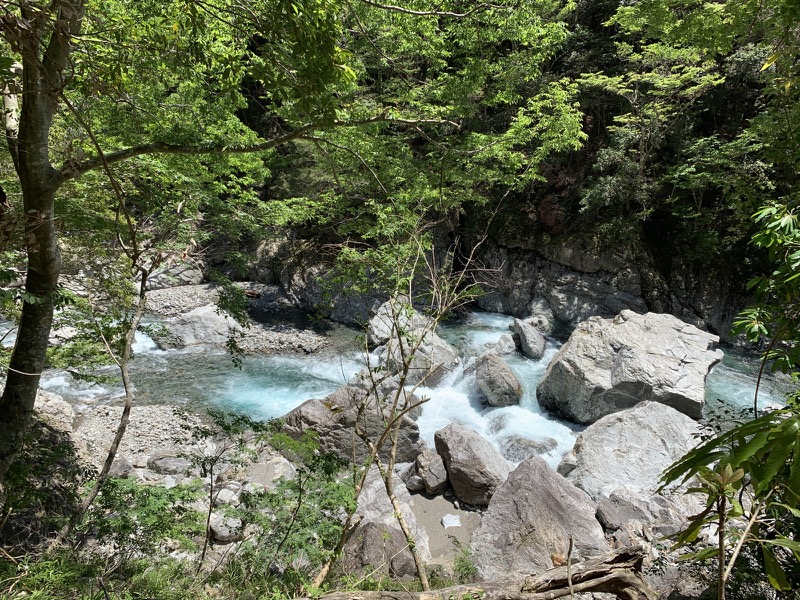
x: 269, y: 386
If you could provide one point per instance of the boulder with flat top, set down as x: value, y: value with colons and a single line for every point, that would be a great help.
x: 608, y: 365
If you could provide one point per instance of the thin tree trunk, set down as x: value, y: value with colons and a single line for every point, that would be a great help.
x: 124, y: 366
x: 45, y: 53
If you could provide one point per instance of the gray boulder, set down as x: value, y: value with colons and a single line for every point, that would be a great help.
x: 396, y: 318
x: 53, y: 409
x: 266, y: 475
x: 496, y: 381
x: 427, y: 474
x: 377, y: 541
x: 621, y: 457
x: 517, y: 448
x: 630, y: 449
x: 611, y: 364
x: 225, y: 530
x: 475, y: 468
x: 505, y: 345
x: 201, y: 326
x: 531, y: 341
x: 335, y: 417
x: 121, y: 468
x: 175, y: 275
x: 405, y: 335
x: 168, y: 462
x: 529, y: 522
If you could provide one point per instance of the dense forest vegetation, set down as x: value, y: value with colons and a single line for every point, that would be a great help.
x: 141, y: 133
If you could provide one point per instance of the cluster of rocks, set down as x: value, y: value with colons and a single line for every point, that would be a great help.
x: 191, y: 317
x: 636, y: 381
x: 160, y: 448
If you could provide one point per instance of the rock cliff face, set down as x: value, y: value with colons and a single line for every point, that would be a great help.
x: 570, y: 277
x: 575, y: 279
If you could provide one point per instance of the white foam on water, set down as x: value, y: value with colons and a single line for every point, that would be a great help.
x: 144, y: 343
x: 64, y: 384
x: 511, y: 429
x: 477, y: 332
x: 276, y: 385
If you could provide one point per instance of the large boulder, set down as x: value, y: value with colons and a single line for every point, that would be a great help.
x: 475, y: 468
x: 405, y: 336
x: 619, y: 460
x: 395, y: 318
x: 529, y: 522
x: 205, y: 325
x: 361, y: 402
x: 378, y: 542
x: 496, y: 381
x: 53, y: 409
x: 611, y: 364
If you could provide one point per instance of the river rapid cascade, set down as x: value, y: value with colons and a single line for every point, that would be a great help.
x: 268, y: 386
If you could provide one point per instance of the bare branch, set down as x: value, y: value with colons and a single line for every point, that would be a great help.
x: 427, y: 13
x: 321, y: 140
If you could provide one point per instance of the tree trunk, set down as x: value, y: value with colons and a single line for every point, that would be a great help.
x: 42, y: 81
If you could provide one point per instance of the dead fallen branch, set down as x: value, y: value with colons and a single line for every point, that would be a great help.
x: 618, y: 573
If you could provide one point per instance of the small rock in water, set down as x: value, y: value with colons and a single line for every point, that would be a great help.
x: 450, y: 520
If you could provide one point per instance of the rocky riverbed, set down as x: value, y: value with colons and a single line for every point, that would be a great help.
x: 514, y: 512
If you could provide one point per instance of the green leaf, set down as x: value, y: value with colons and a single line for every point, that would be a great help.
x: 6, y: 64
x: 703, y: 554
x: 775, y: 573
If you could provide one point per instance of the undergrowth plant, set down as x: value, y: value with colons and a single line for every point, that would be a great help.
x: 291, y: 531
x: 750, y: 475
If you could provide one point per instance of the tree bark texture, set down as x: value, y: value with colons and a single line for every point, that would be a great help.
x: 44, y: 42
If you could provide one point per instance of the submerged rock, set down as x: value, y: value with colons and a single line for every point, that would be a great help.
x: 611, y: 364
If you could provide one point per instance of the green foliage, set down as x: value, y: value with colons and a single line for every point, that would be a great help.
x: 464, y: 570
x: 776, y: 317
x: 136, y: 518
x: 761, y: 457
x: 657, y: 88
x: 295, y: 528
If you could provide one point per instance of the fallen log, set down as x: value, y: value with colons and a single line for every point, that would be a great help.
x: 618, y: 573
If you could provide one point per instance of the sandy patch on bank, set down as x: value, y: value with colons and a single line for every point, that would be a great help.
x: 429, y: 513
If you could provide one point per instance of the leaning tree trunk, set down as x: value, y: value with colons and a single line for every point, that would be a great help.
x: 45, y: 49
